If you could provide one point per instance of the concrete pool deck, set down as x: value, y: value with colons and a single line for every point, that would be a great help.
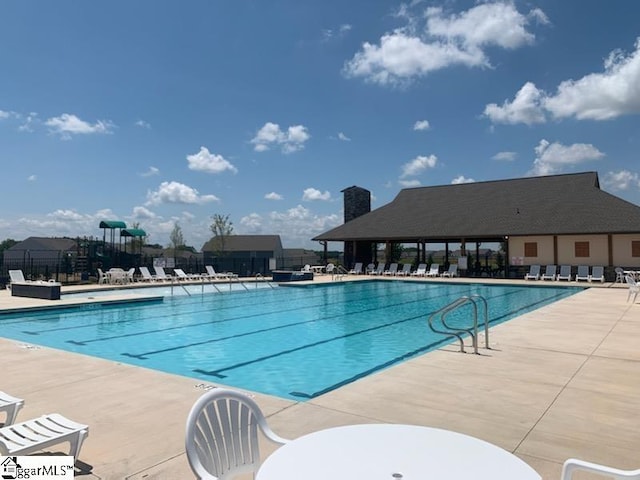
x: 558, y: 382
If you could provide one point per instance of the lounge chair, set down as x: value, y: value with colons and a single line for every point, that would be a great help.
x: 221, y: 438
x: 633, y: 288
x: 211, y: 273
x: 534, y: 273
x: 452, y: 272
x: 573, y: 465
x: 379, y: 269
x: 370, y: 268
x: 549, y: 273
x: 161, y: 274
x: 406, y: 270
x: 392, y: 270
x: 17, y: 276
x: 434, y: 270
x: 146, y: 274
x: 42, y: 432
x: 10, y: 405
x: 565, y: 273
x: 357, y: 269
x: 583, y: 273
x: 185, y: 277
x: 597, y: 274
x: 421, y: 271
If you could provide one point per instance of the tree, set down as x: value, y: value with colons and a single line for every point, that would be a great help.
x: 176, y: 238
x: 6, y: 244
x: 221, y: 228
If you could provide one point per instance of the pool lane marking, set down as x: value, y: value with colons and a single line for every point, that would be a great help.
x: 161, y: 330
x: 407, y: 355
x: 145, y: 355
x: 213, y: 308
x: 217, y: 373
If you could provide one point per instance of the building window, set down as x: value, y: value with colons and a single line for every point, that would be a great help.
x: 530, y: 249
x: 635, y: 248
x: 582, y: 249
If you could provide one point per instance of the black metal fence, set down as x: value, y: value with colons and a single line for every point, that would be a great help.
x: 68, y: 267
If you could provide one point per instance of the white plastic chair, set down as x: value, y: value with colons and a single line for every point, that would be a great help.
x: 619, y: 274
x: 573, y: 465
x: 597, y: 274
x: 534, y: 273
x: 222, y: 435
x: 10, y: 405
x: 634, y: 288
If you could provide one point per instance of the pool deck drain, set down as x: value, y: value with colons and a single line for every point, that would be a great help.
x: 558, y: 382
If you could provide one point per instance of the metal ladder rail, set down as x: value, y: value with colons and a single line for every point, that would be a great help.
x: 180, y: 284
x: 212, y: 283
x: 473, y: 298
x: 473, y: 330
x: 262, y: 278
x: 341, y: 272
x: 452, y: 332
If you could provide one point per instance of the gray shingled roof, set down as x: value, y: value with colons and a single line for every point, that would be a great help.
x: 245, y: 243
x: 551, y: 205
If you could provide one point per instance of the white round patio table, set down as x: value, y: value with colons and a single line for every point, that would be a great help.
x: 392, y: 452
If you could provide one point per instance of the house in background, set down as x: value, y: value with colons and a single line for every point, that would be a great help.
x: 246, y: 255
x: 41, y: 256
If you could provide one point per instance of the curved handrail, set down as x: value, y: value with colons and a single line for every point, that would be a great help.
x: 456, y: 331
x: 440, y: 312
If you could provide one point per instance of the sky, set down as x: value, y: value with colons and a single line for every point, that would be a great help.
x: 163, y: 113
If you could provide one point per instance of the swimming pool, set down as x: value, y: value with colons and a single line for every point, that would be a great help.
x: 292, y: 342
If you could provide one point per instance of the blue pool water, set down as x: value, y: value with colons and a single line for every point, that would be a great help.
x: 292, y: 342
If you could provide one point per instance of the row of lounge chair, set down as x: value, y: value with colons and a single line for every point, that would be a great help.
x: 180, y: 275
x: 421, y: 271
x: 551, y: 273
x: 36, y: 434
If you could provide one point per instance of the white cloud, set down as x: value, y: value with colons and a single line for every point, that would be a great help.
x: 421, y: 125
x: 596, y: 96
x: 290, y: 141
x: 409, y: 183
x: 28, y: 122
x: 343, y: 137
x: 442, y: 41
x: 175, y: 192
x: 622, y: 180
x: 461, y: 179
x: 273, y: 196
x: 525, y: 108
x: 142, y: 213
x: 67, y: 125
x: 418, y: 165
x: 252, y: 223
x: 32, y: 178
x: 151, y: 172
x: 601, y: 96
x: 551, y: 158
x: 143, y: 124
x: 311, y: 194
x: 4, y: 114
x: 298, y: 225
x: 329, y: 33
x: 505, y: 156
x: 204, y: 161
